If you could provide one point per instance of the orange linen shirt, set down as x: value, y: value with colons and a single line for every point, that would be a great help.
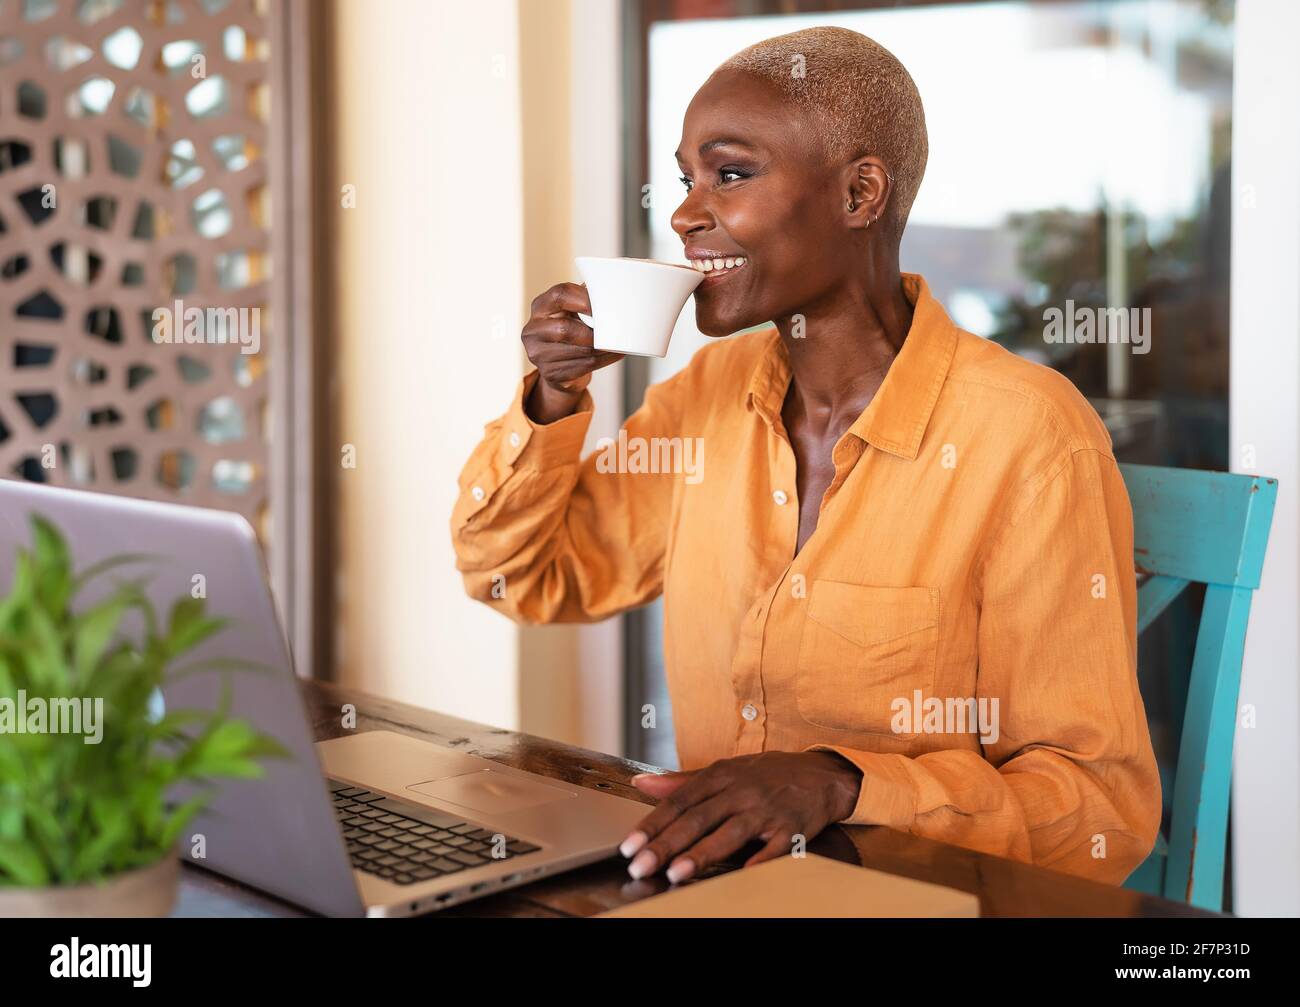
x: 975, y: 548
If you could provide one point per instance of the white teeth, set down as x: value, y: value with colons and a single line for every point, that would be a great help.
x: 717, y: 265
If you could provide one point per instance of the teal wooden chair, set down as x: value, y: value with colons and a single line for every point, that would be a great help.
x: 1209, y: 527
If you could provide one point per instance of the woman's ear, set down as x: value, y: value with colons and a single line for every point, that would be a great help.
x: 868, y: 191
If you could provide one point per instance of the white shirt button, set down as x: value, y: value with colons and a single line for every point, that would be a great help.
x: 749, y: 712
x: 477, y: 493
x: 780, y: 497
x: 514, y: 439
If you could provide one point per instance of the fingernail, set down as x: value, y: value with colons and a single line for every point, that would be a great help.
x: 643, y: 864
x: 641, y: 776
x: 681, y: 870
x: 633, y: 843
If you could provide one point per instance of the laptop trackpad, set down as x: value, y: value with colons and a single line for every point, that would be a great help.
x: 489, y: 792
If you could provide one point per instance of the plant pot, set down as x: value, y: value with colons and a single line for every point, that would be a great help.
x: 145, y: 891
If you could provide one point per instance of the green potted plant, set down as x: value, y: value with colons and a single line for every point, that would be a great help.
x: 88, y: 766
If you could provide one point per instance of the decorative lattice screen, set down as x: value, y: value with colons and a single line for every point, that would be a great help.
x: 132, y: 176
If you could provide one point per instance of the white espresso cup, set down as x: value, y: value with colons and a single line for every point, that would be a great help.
x: 635, y: 302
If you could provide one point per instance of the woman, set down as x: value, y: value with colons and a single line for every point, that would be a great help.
x: 902, y: 592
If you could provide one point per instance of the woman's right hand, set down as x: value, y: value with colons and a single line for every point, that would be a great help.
x: 560, y: 346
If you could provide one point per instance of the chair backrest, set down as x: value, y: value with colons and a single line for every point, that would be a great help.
x: 1212, y: 528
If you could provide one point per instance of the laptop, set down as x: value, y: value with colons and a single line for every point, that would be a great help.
x: 371, y: 823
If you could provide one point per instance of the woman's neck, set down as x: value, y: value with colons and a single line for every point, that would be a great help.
x: 841, y: 347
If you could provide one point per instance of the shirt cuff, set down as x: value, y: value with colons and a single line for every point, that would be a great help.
x: 886, y: 795
x: 515, y: 442
x: 544, y: 446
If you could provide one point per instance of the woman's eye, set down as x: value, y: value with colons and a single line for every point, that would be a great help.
x: 725, y: 175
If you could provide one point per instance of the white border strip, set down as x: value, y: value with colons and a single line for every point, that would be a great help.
x: 1264, y: 424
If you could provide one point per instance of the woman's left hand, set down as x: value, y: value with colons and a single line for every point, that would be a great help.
x: 705, y: 815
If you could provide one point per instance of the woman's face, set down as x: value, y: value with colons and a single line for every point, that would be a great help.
x: 759, y: 188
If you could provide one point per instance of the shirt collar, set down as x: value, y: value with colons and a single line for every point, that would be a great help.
x: 896, y: 418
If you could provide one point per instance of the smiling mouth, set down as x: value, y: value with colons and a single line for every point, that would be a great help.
x: 715, y: 270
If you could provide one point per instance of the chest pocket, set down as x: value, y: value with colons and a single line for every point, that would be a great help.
x: 862, y: 648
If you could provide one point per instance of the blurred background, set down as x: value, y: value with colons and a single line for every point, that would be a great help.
x: 392, y: 182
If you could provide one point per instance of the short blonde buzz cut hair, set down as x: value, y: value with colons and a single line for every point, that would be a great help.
x: 860, y: 98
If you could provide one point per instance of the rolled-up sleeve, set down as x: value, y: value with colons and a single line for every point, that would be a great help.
x: 1070, y: 782
x: 543, y: 535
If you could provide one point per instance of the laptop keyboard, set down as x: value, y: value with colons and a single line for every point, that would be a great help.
x: 404, y: 843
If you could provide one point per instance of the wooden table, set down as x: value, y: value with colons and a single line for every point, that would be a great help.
x: 1004, y: 887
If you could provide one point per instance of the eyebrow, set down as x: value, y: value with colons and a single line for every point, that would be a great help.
x: 724, y: 141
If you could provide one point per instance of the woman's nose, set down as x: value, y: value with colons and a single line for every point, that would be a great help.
x: 690, y: 216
